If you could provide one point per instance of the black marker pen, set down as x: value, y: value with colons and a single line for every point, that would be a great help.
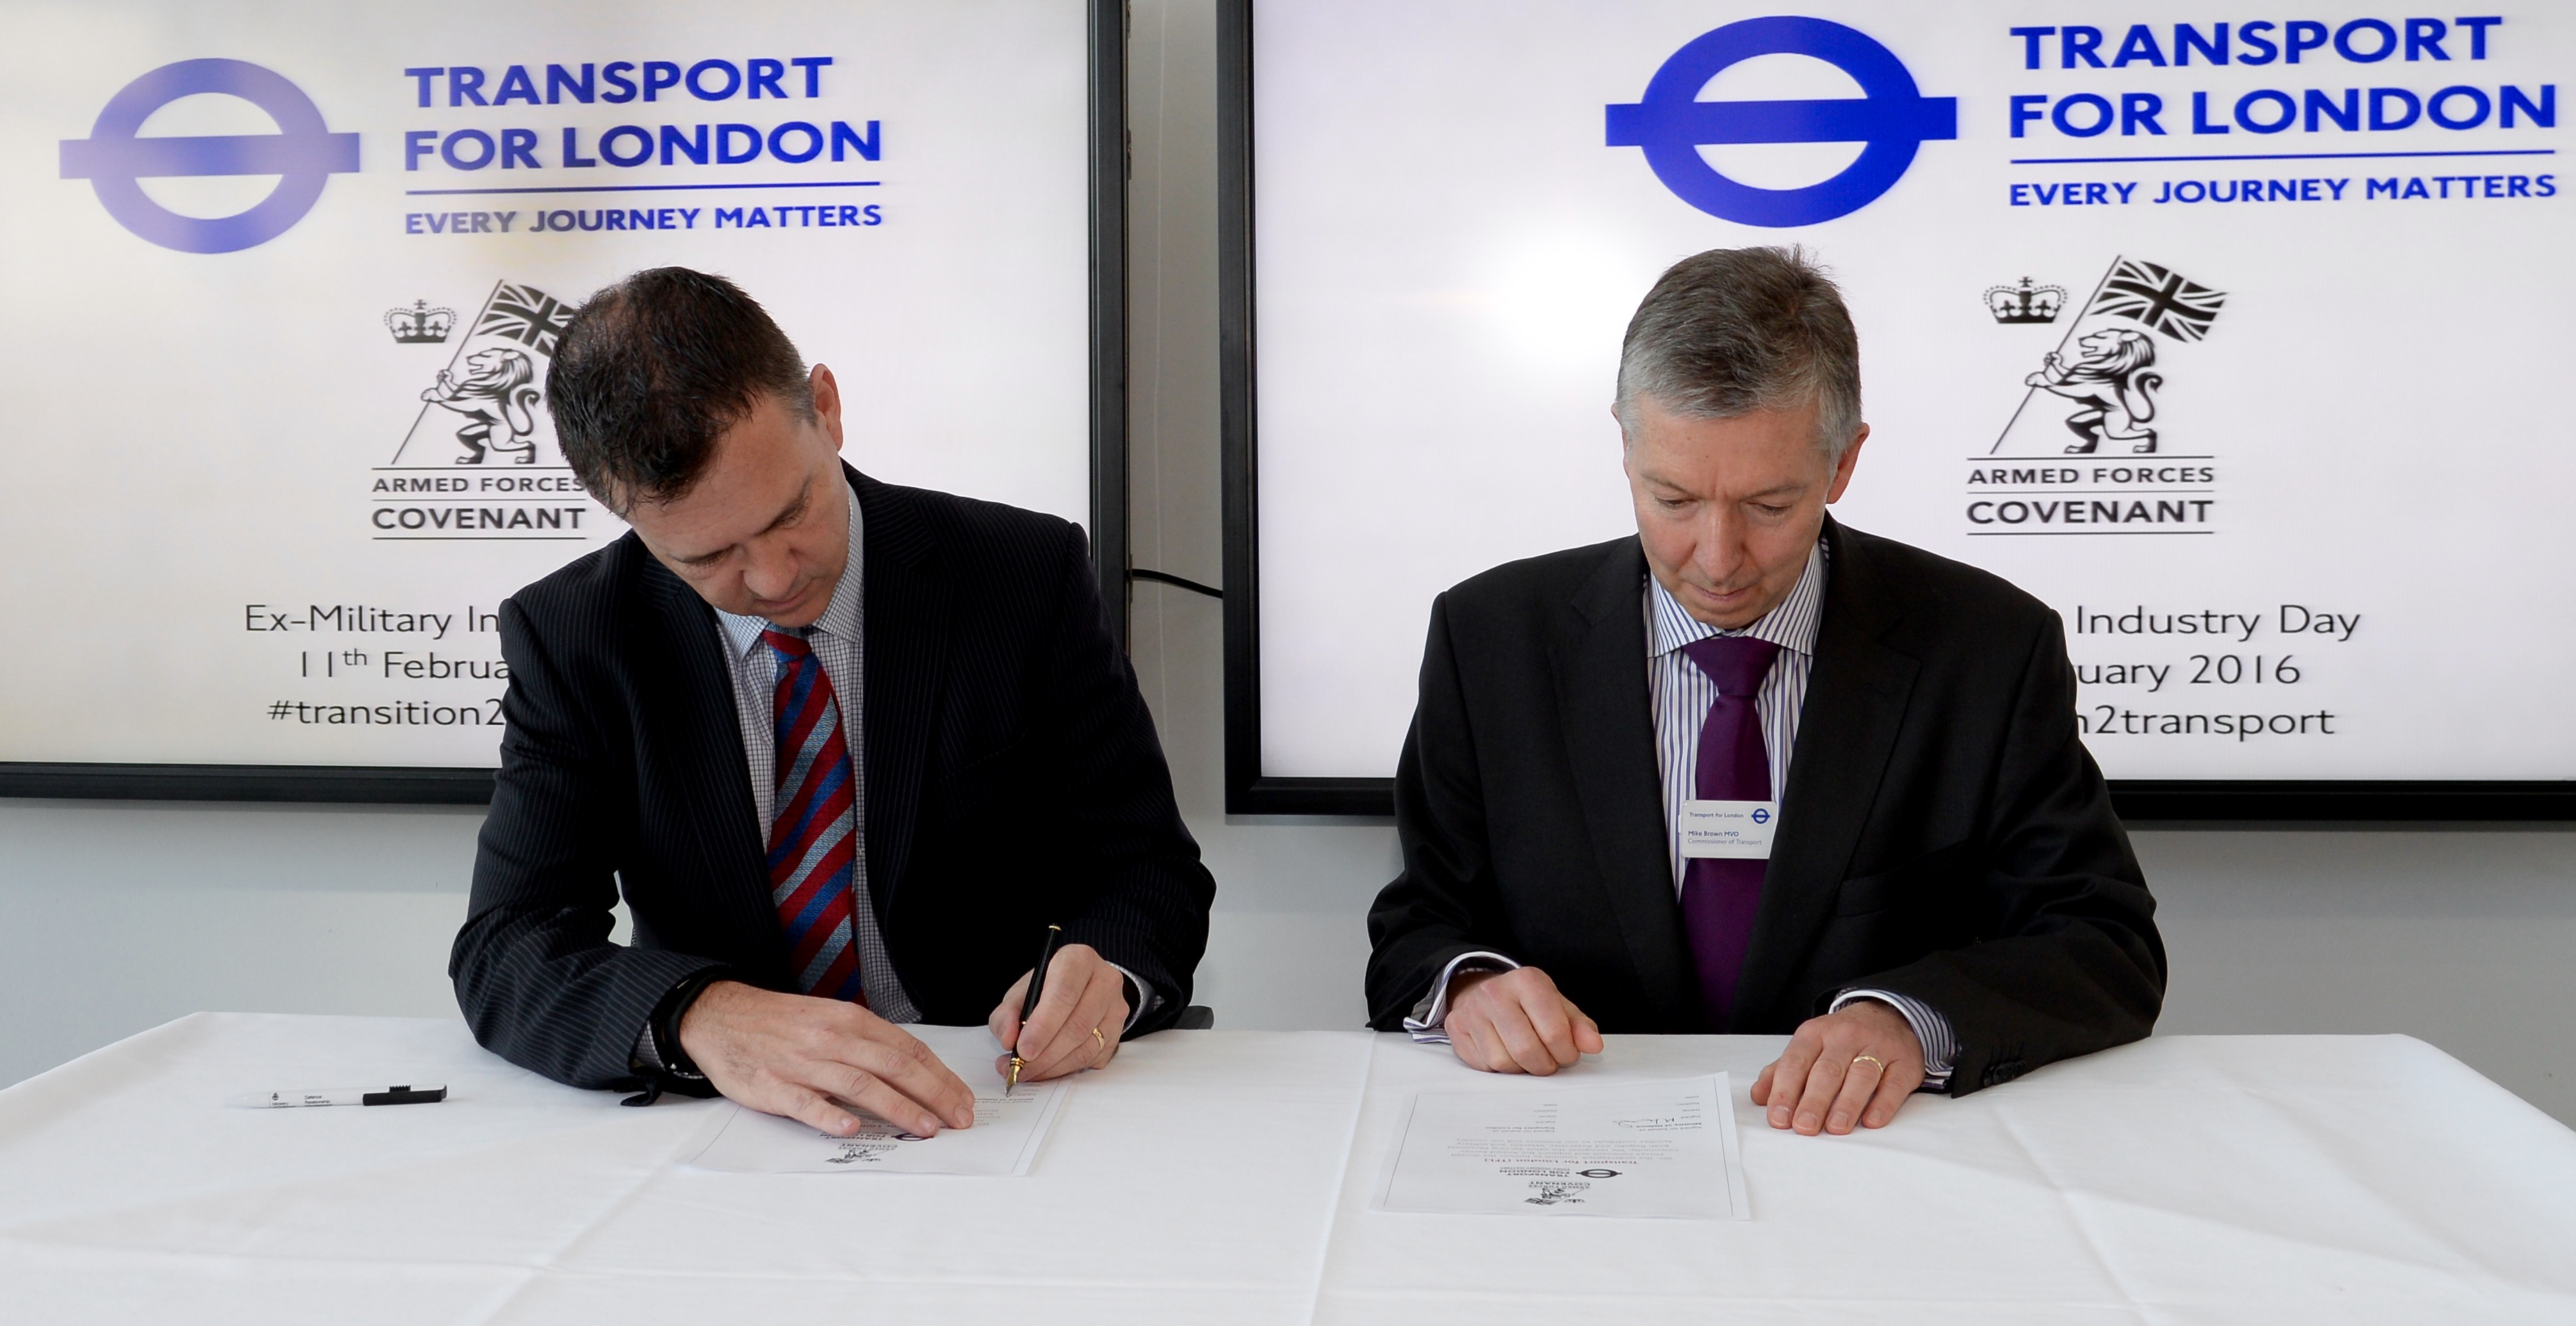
x: 290, y: 1100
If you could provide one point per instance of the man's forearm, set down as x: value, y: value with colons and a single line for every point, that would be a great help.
x: 568, y: 1010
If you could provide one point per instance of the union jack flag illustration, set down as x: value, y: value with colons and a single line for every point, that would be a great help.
x: 2159, y: 297
x: 525, y: 314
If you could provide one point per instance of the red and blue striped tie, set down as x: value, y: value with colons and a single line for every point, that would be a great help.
x: 813, y: 833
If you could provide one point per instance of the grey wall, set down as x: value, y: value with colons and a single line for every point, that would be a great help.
x: 117, y: 917
x: 114, y: 918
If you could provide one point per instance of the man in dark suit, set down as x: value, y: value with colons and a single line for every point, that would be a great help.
x: 1754, y: 771
x: 849, y: 748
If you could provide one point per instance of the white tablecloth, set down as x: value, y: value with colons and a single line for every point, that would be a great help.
x: 1224, y: 1177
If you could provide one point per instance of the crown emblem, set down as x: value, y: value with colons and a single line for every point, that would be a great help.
x: 420, y: 324
x: 2025, y: 302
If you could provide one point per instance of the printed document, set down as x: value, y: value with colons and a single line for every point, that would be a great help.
x: 1005, y: 1139
x: 1663, y: 1149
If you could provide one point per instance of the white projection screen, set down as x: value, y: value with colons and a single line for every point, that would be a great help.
x: 281, y: 280
x: 2234, y: 338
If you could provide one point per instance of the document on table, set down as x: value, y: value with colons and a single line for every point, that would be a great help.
x: 1005, y: 1139
x: 1665, y: 1149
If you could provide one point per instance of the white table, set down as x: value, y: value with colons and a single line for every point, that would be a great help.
x: 1224, y: 1176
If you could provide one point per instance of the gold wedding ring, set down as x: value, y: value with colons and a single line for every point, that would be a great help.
x: 1882, y: 1063
x: 1099, y: 1040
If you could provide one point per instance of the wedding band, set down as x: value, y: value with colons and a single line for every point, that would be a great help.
x: 1882, y: 1063
x: 1099, y: 1040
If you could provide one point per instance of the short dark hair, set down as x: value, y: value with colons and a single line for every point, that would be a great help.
x: 653, y: 370
x: 1731, y: 331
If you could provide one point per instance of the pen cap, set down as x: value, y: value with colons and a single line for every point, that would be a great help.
x: 405, y: 1095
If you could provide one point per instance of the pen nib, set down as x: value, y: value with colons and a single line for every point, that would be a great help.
x: 1011, y: 1081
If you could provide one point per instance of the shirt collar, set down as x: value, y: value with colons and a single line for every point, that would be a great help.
x: 840, y: 616
x: 1791, y: 625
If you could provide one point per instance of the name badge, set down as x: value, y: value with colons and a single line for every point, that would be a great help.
x: 1733, y: 830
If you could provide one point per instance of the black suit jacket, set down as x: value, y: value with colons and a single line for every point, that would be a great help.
x: 993, y: 689
x: 1943, y: 835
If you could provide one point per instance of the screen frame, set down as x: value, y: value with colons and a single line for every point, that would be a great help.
x: 2214, y: 802
x: 1105, y: 29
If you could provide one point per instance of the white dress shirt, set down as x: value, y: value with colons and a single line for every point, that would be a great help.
x: 1680, y: 695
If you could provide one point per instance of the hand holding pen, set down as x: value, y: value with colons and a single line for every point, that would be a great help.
x: 1063, y: 1017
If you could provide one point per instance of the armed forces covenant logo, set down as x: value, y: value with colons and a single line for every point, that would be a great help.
x: 2092, y: 405
x: 479, y: 460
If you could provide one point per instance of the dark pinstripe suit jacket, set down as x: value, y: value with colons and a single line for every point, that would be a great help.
x: 1943, y: 835
x: 993, y: 687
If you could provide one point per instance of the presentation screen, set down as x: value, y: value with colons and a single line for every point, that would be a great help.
x: 2231, y: 338
x: 283, y: 279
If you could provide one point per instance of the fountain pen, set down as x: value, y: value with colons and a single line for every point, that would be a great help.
x: 1029, y: 1005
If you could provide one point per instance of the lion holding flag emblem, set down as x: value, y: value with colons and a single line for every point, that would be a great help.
x: 496, y: 397
x: 2113, y: 385
x: 492, y: 382
x: 2113, y: 379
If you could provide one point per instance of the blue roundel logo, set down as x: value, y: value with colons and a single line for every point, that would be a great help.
x: 1761, y: 816
x: 1671, y: 123
x: 304, y: 154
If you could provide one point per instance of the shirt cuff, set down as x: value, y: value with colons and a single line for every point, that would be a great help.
x: 649, y: 1050
x: 1940, y: 1044
x: 1425, y: 1024
x: 648, y: 1053
x: 1147, y: 998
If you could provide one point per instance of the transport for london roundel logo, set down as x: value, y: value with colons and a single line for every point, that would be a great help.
x: 1892, y: 116
x: 304, y: 154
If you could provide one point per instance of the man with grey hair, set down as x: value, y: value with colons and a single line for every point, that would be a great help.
x: 1753, y: 771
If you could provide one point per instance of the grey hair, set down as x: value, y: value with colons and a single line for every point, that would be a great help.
x: 1731, y: 331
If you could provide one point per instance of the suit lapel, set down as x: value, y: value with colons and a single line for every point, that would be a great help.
x: 1610, y: 747
x: 905, y: 618
x: 1856, y: 700
x: 689, y: 693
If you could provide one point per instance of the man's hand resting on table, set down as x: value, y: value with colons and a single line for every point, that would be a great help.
x: 806, y: 1058
x: 1821, y: 1082
x: 1516, y: 1022
x: 1078, y: 1019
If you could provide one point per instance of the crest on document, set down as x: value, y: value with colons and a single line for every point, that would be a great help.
x: 486, y: 407
x: 2096, y: 392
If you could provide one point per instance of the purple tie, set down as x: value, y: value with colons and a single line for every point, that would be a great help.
x: 1719, y: 896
